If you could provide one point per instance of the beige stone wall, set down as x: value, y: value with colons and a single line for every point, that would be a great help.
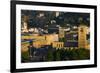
x: 38, y: 44
x: 58, y: 45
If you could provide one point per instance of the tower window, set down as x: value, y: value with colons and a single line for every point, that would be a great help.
x: 81, y: 30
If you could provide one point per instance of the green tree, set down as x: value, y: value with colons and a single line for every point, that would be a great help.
x: 25, y: 56
x: 83, y: 53
x: 58, y: 58
x: 49, y: 56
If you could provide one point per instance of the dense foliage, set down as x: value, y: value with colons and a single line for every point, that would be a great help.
x: 68, y: 54
x: 62, y: 54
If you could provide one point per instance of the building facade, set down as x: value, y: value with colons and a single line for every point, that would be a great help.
x: 77, y: 38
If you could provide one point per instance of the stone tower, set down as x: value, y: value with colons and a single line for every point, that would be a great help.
x: 25, y: 24
x: 82, y: 41
x: 61, y: 33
